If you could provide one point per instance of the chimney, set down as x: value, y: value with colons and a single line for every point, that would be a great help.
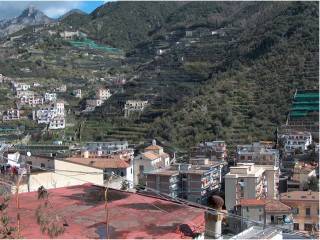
x: 154, y: 142
x: 213, y: 227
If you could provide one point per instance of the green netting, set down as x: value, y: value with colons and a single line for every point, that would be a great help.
x: 306, y: 108
x: 306, y: 103
x: 88, y: 43
x: 307, y: 95
x: 298, y: 114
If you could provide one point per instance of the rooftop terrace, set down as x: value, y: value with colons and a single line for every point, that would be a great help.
x: 131, y: 215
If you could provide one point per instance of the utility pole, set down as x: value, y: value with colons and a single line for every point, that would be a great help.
x: 106, y: 206
x: 18, y: 204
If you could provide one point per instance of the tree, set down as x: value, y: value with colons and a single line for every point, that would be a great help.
x: 312, y: 184
x: 6, y: 231
x: 124, y: 185
x: 50, y: 222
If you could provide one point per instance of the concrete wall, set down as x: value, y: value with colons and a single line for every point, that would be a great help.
x: 230, y: 193
x: 62, y: 177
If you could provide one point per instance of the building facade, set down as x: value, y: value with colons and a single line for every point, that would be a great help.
x: 214, y: 150
x: 305, y: 206
x: 260, y: 153
x: 250, y: 181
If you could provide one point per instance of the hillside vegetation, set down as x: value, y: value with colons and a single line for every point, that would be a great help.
x: 236, y: 87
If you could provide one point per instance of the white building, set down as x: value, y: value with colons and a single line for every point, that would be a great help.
x: 20, y: 86
x: 57, y: 122
x: 50, y: 97
x: 54, y: 116
x: 134, y: 106
x: 11, y: 114
x: 31, y: 101
x: 77, y: 93
x: 24, y: 93
x: 62, y: 88
x: 103, y: 94
x: 250, y: 181
x: 295, y: 140
x: 115, y: 168
x: 68, y: 35
x: 151, y: 159
x: 104, y: 149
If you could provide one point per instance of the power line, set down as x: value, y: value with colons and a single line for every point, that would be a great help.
x: 169, y: 198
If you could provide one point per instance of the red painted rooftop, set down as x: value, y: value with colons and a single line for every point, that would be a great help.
x: 131, y: 215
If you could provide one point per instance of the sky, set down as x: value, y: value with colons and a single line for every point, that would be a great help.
x: 53, y: 9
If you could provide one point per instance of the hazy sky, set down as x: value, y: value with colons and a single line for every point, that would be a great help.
x: 53, y: 9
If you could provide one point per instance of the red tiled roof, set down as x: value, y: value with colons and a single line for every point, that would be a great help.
x: 151, y: 155
x: 131, y: 215
x: 300, y: 196
x: 101, y: 163
x: 276, y: 206
x: 252, y: 202
x: 153, y: 147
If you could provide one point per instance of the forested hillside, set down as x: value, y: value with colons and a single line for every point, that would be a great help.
x: 236, y: 86
x: 210, y: 70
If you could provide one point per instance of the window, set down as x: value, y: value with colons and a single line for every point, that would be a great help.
x: 249, y: 157
x: 308, y: 211
x: 296, y: 226
x: 122, y: 174
x: 295, y: 211
x: 247, y: 209
x: 242, y: 157
x: 272, y: 219
x: 141, y: 168
x: 260, y: 218
x: 42, y: 165
x: 308, y: 227
x: 131, y: 170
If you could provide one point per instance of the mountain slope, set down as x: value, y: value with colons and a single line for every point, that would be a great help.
x: 30, y: 16
x: 125, y: 24
x: 252, y: 97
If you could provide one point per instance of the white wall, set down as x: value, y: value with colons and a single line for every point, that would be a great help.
x: 63, y: 177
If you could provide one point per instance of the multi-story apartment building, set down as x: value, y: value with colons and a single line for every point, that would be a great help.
x: 57, y: 122
x: 305, y: 205
x: 165, y: 181
x: 11, y: 114
x: 24, y: 94
x: 260, y: 153
x: 214, y: 150
x: 104, y: 149
x: 250, y: 181
x: 50, y: 97
x: 295, y: 140
x: 195, y: 183
x: 103, y: 94
x: 134, y: 106
x: 53, y: 115
x: 31, y: 101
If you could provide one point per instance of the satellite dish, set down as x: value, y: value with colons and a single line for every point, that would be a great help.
x: 28, y: 154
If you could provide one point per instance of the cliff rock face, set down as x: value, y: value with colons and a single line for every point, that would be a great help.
x: 29, y: 17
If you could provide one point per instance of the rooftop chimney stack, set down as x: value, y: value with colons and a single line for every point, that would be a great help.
x: 154, y: 142
x: 213, y: 227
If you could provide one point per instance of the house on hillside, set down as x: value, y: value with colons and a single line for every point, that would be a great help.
x: 132, y: 106
x: 153, y: 157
